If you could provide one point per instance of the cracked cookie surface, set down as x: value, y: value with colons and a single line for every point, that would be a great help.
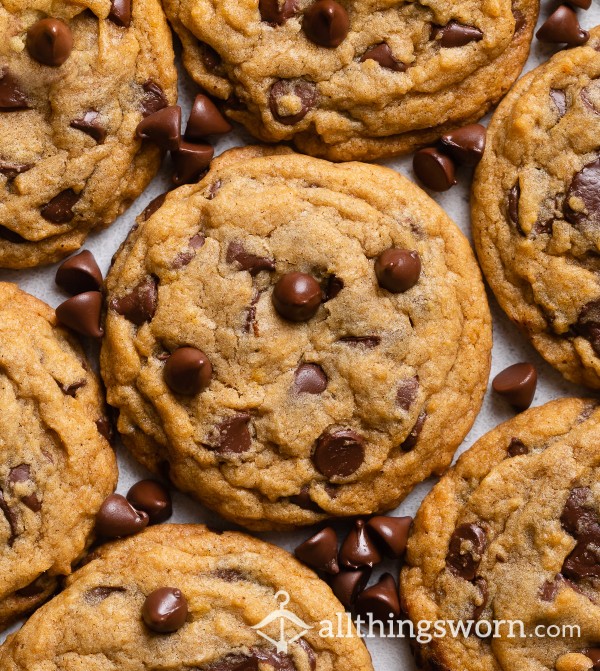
x: 55, y: 466
x: 511, y: 534
x: 536, y: 209
x: 338, y: 414
x: 75, y: 81
x: 231, y: 583
x: 402, y: 75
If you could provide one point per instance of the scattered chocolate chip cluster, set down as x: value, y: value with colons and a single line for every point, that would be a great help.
x: 348, y: 571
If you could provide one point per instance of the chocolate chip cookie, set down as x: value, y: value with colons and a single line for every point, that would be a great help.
x: 180, y: 596
x: 354, y: 80
x: 293, y: 339
x: 56, y: 466
x: 76, y: 78
x: 536, y: 209
x: 511, y: 533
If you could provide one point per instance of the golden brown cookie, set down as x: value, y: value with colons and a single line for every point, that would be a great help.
x: 294, y: 339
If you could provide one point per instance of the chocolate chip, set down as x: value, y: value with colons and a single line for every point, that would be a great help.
x: 391, y: 533
x: 35, y: 588
x: 230, y: 575
x: 165, y: 610
x: 89, y: 123
x: 411, y: 440
x: 516, y: 448
x: 163, y: 128
x: 12, y: 98
x: 11, y: 169
x: 593, y: 653
x: 105, y: 429
x: 407, y: 392
x: 520, y: 19
x: 11, y: 518
x: 582, y: 202
x: 365, y: 341
x: 250, y: 322
x: 398, y: 270
x: 205, y: 119
x: 232, y: 435
x: 584, y: 4
x: 303, y: 500
x: 588, y: 325
x: 320, y: 551
x: 310, y: 378
x: 236, y: 253
x: 291, y: 100
x: 517, y: 384
x: 49, y: 41
x: 580, y: 519
x: 590, y: 96
x: 154, y: 205
x: 433, y: 169
x: 381, y: 600
x: 333, y: 286
x: 71, y: 389
x: 467, y: 545
x: 358, y: 550
x: 277, y: 12
x: 82, y: 314
x: 559, y: 98
x: 139, y: 305
x: 465, y: 145
x: 347, y: 585
x: 562, y: 27
x: 326, y: 23
x: 455, y: 34
x: 185, y: 257
x: 60, y: 209
x: 154, y: 97
x: 120, y: 13
x: 117, y: 518
x: 79, y: 274
x: 190, y: 162
x: 514, y: 196
x: 153, y: 498
x: 482, y: 586
x: 550, y: 588
x: 382, y: 54
x: 188, y: 371
x: 339, y: 453
x: 97, y: 595
x: 297, y: 297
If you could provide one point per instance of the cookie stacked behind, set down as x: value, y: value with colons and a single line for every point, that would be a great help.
x: 354, y: 80
x: 511, y: 533
x: 74, y: 85
x: 180, y: 596
x: 293, y: 340
x: 536, y: 212
x: 56, y: 465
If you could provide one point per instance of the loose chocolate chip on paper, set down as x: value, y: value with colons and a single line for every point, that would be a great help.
x: 339, y: 453
x: 465, y: 145
x: 120, y: 13
x: 297, y: 296
x: 382, y: 54
x: 50, y: 42
x: 320, y: 551
x: 190, y: 161
x: 517, y: 384
x: 466, y: 548
x: 455, y: 34
x: 165, y: 610
x: 277, y: 12
x: 391, y: 533
x: 81, y: 313
x: 236, y: 253
x: 347, y: 585
x: 90, y: 124
x: 153, y: 498
x: 562, y: 27
x: 79, y: 274
x: 291, y: 100
x: 188, y: 371
x: 326, y: 23
x: 398, y: 270
x: 310, y: 378
x: 358, y: 549
x: 381, y: 600
x: 117, y: 518
x: 433, y: 169
x: 12, y: 97
x: 205, y: 119
x: 163, y: 128
x: 60, y: 209
x: 139, y: 305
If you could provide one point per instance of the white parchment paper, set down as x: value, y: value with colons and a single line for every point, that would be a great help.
x: 509, y: 346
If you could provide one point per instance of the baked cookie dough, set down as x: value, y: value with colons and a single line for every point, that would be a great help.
x: 511, y: 533
x: 536, y: 209
x: 227, y: 584
x: 340, y: 406
x: 56, y: 466
x: 76, y: 78
x: 354, y: 80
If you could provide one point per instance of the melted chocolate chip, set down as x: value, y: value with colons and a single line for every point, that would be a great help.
x: 326, y: 23
x: 559, y: 98
x: 562, y: 27
x: 139, y: 305
x: 120, y: 13
x: 382, y: 54
x: 455, y: 34
x: 105, y: 429
x: 277, y: 12
x: 12, y: 97
x: 320, y: 551
x: 582, y: 202
x: 81, y: 313
x: 90, y: 124
x: 333, y: 286
x: 79, y: 274
x: 97, y: 595
x: 467, y: 545
x: 236, y: 253
x: 291, y: 100
x: 232, y: 435
x: 165, y: 610
x: 11, y: 169
x: 380, y: 600
x: 154, y: 98
x: 50, y: 42
x: 303, y: 500
x: 358, y: 550
x: 339, y: 453
x: 154, y: 205
x: 365, y: 341
x: 580, y: 519
x: 411, y: 440
x: 71, y: 389
x: 513, y: 204
x: 517, y: 447
x: 117, y: 518
x: 588, y: 325
x: 347, y: 585
x: 482, y: 586
x: 230, y: 575
x: 11, y: 518
x: 310, y: 378
x: 60, y: 209
x: 153, y: 498
x: 184, y: 258
x: 407, y: 392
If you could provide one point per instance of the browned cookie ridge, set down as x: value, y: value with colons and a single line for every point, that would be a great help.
x: 295, y: 339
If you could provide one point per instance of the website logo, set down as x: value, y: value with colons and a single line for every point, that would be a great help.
x: 287, y: 622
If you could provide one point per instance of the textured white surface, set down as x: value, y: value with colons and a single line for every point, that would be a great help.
x: 509, y: 346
